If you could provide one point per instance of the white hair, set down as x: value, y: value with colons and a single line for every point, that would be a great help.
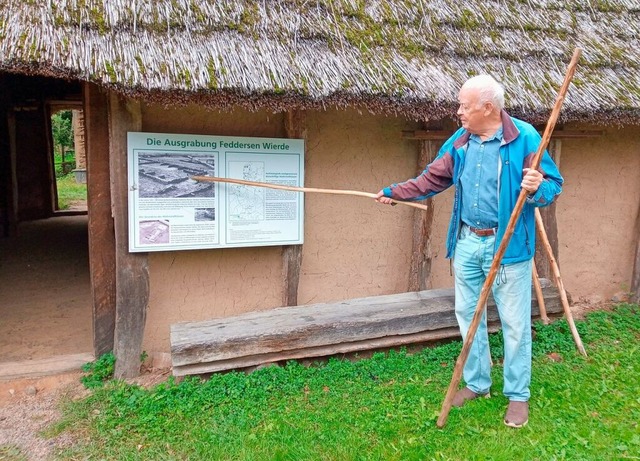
x: 489, y: 90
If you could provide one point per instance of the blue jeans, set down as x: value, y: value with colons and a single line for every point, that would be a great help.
x: 512, y: 293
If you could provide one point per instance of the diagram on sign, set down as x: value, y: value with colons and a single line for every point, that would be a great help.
x: 246, y: 203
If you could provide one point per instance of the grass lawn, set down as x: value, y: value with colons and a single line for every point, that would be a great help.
x: 381, y: 408
x: 69, y: 191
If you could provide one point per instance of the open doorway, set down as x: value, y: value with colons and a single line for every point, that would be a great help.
x: 69, y: 160
x: 46, y: 296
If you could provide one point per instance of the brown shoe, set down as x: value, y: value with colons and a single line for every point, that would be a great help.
x: 517, y: 414
x: 466, y: 394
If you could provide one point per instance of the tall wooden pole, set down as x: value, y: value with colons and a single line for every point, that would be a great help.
x: 556, y: 273
x: 548, y: 214
x: 486, y: 288
x: 541, y: 305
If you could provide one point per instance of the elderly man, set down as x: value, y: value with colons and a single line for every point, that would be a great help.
x: 488, y: 161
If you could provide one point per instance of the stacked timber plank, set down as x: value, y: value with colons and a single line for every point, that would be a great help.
x: 319, y: 330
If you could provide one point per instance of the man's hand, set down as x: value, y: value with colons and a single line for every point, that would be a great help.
x: 382, y: 199
x: 531, y: 180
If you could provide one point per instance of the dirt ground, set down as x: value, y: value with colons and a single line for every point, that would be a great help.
x: 29, y: 406
x: 45, y: 306
x: 46, y: 292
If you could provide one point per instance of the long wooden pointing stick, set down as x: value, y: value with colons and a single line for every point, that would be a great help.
x: 559, y: 284
x: 302, y: 189
x: 497, y: 259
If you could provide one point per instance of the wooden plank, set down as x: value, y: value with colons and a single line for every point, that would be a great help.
x: 102, y: 243
x: 577, y: 134
x: 132, y: 269
x: 427, y: 135
x: 445, y: 134
x: 550, y: 221
x: 321, y: 351
x: 295, y: 127
x: 306, y: 331
x: 420, y: 266
x: 43, y: 367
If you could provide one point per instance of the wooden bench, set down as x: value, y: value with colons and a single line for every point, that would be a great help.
x: 319, y: 330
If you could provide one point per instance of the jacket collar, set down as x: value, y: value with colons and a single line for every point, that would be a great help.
x: 509, y: 132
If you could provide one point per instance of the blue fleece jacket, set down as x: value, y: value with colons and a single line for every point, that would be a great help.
x: 517, y: 151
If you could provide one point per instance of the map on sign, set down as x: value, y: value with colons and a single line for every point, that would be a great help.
x: 246, y: 203
x: 170, y: 210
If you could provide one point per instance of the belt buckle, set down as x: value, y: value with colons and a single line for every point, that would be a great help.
x: 483, y: 232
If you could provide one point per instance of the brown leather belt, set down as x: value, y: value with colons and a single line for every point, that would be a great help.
x: 483, y: 232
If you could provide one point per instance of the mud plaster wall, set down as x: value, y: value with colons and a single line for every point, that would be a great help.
x: 597, y: 210
x: 353, y: 246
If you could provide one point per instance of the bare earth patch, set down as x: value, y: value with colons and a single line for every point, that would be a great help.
x: 29, y: 406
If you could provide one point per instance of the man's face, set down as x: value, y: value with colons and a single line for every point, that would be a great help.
x: 472, y: 115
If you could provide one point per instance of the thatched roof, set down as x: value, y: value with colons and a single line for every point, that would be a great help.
x: 402, y: 56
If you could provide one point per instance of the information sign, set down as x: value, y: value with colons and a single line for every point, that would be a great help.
x: 168, y: 210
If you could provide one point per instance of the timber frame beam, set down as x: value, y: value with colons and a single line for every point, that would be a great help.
x: 132, y: 269
x: 295, y: 126
x: 421, y: 257
x: 635, y: 276
x: 102, y: 253
x: 434, y: 135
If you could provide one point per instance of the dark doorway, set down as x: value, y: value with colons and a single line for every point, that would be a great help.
x: 45, y: 287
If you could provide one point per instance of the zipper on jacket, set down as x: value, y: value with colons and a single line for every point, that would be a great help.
x: 526, y: 235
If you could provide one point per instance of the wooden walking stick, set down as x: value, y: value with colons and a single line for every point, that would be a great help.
x: 497, y: 259
x: 539, y: 296
x: 243, y: 182
x: 556, y: 273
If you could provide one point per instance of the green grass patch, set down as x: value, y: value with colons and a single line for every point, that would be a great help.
x: 70, y: 191
x: 381, y: 408
x: 11, y: 453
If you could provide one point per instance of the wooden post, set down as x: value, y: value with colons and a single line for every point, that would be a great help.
x: 550, y: 223
x: 102, y: 244
x: 295, y: 125
x: 635, y: 275
x: 132, y: 269
x: 12, y: 186
x: 420, y: 267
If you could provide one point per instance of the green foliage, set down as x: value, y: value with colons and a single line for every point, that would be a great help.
x: 61, y: 129
x: 99, y: 372
x: 381, y: 408
x: 64, y: 167
x: 62, y: 134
